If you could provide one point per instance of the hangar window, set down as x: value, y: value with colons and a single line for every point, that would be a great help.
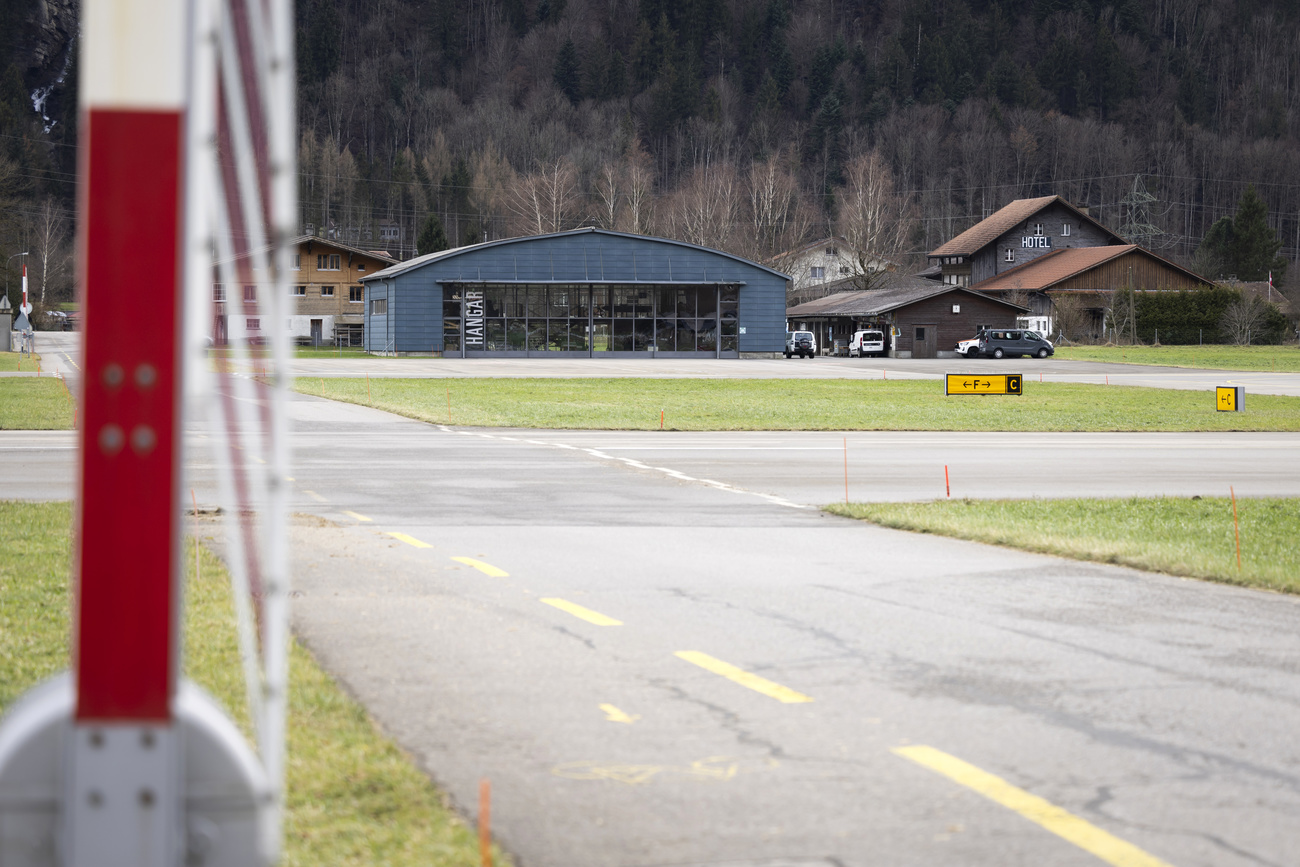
x: 585, y: 318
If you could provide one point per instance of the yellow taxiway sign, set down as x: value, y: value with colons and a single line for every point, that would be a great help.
x: 984, y: 383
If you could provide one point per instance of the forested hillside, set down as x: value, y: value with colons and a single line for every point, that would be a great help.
x: 736, y: 123
x: 754, y: 125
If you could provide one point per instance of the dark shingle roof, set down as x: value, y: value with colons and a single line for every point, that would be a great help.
x: 873, y: 302
x: 997, y: 224
x: 1046, y: 271
x: 381, y: 255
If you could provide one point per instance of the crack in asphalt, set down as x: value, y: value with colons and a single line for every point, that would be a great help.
x: 1092, y: 651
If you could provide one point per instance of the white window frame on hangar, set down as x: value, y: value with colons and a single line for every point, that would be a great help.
x: 585, y: 293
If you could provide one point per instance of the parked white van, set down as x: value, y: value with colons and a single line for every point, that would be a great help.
x: 866, y: 343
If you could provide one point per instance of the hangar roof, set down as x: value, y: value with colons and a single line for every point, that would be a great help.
x: 421, y: 261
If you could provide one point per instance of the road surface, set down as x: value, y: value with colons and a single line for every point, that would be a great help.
x: 658, y: 668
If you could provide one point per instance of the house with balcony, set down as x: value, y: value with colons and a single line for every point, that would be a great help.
x: 327, y: 299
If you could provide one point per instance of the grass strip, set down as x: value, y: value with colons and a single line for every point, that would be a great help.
x: 353, y: 797
x: 1190, y: 537
x: 34, y: 604
x: 1282, y: 359
x: 12, y: 361
x: 353, y: 352
x: 35, y: 404
x: 783, y: 404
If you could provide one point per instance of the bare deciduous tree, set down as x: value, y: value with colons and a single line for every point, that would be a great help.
x: 548, y: 200
x: 609, y: 195
x: 493, y: 177
x: 639, y: 215
x: 1244, y: 319
x: 1070, y: 318
x: 874, y: 219
x: 776, y: 219
x: 704, y: 210
x: 50, y: 249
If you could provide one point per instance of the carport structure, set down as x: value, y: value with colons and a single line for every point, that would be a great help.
x: 923, y: 318
x: 583, y: 293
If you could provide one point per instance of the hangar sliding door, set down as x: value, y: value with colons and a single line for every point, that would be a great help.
x: 590, y: 320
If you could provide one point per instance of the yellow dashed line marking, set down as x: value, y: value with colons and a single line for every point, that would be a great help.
x: 582, y: 613
x: 613, y: 714
x: 759, y: 684
x: 356, y: 517
x: 410, y: 540
x: 317, y: 497
x: 1085, y: 835
x: 486, y: 568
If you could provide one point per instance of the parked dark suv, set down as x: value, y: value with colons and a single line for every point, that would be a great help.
x: 996, y: 344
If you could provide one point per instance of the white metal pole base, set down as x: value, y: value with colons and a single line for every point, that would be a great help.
x: 125, y: 778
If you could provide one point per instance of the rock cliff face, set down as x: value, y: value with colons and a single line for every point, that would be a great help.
x: 49, y: 29
x: 43, y: 49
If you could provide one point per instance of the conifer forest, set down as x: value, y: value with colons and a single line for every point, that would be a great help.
x: 748, y: 125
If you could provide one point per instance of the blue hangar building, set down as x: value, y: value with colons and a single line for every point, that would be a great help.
x: 587, y: 293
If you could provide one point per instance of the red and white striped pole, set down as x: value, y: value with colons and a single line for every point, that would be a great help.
x: 125, y: 789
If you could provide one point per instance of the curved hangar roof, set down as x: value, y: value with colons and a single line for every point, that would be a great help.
x: 585, y: 256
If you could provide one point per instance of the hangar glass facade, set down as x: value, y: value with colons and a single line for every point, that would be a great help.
x: 588, y: 319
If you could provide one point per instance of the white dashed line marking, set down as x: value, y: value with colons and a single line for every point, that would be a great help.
x: 632, y: 462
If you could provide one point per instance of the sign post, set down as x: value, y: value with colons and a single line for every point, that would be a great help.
x: 984, y: 383
x: 1229, y: 398
x: 121, y: 762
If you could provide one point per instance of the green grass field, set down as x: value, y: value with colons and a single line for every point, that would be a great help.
x: 1179, y: 536
x: 353, y: 352
x: 353, y: 797
x: 635, y: 404
x: 1282, y: 359
x: 30, y: 403
x: 10, y: 361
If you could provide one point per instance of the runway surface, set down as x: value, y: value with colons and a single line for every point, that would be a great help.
x: 658, y: 667
x: 661, y: 653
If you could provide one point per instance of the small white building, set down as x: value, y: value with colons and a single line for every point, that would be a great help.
x: 822, y: 262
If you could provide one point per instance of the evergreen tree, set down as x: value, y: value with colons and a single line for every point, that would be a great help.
x: 1004, y: 82
x: 568, y: 74
x: 455, y: 197
x: 645, y: 60
x: 782, y: 67
x: 1254, y: 244
x: 616, y: 76
x: 432, y: 237
x: 826, y: 60
x: 1213, y: 259
x: 320, y: 41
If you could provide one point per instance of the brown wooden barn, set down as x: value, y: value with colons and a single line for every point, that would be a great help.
x: 924, y: 319
x: 1089, y: 274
